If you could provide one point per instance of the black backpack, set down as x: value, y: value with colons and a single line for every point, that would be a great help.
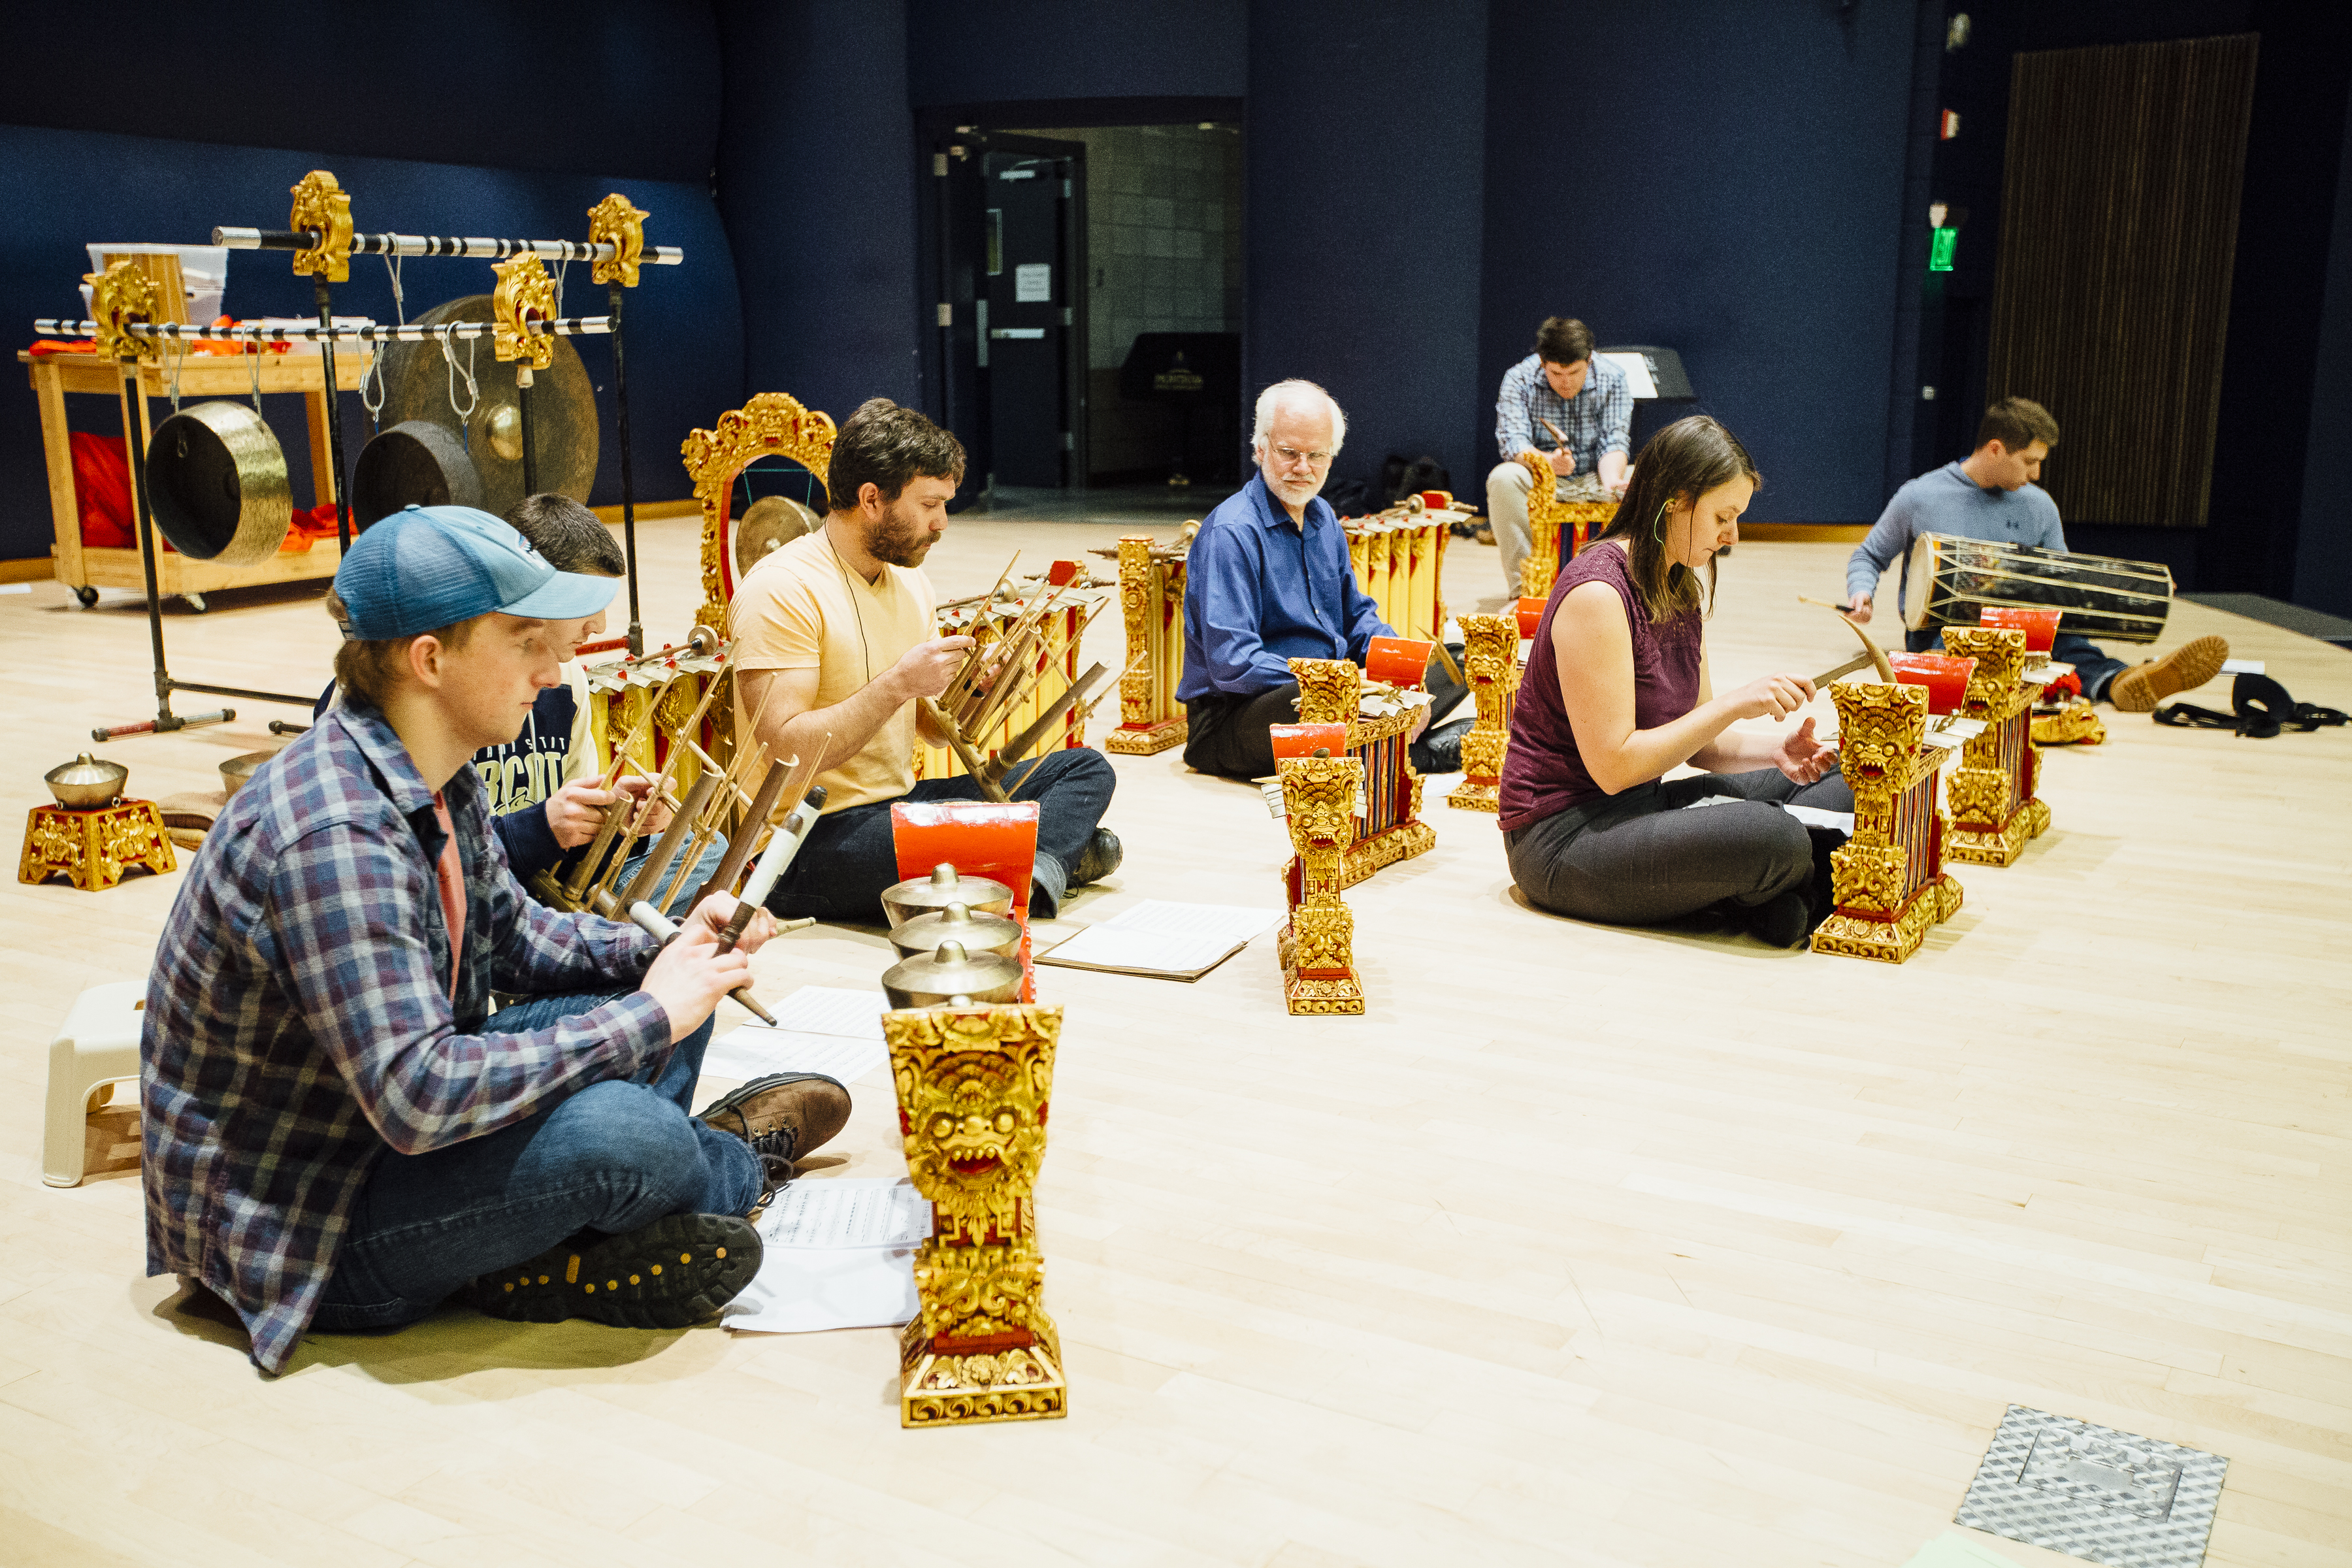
x: 1399, y: 478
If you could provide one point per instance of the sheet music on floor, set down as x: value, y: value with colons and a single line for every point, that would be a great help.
x: 825, y: 1029
x: 805, y: 1288
x: 847, y: 1211
x: 1163, y: 941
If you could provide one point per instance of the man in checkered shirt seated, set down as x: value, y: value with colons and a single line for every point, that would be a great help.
x: 339, y: 1133
x: 1570, y: 409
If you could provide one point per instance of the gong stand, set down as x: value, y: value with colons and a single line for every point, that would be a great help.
x: 318, y: 232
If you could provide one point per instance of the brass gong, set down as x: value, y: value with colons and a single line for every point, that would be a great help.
x: 216, y: 484
x: 416, y: 382
x: 769, y: 523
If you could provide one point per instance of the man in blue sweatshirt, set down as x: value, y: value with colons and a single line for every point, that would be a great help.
x: 1991, y: 494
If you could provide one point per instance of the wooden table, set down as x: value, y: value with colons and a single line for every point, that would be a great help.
x: 88, y: 568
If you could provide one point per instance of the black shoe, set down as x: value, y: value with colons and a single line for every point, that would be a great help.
x: 1440, y: 750
x: 671, y: 1274
x: 1098, y: 859
x: 1784, y: 919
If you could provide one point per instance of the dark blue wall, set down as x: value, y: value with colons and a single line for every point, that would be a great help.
x: 617, y: 86
x: 816, y: 182
x: 1032, y: 50
x: 1363, y: 207
x: 2323, y: 571
x: 1724, y: 178
x: 638, y: 113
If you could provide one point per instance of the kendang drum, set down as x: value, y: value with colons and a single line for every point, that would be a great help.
x: 1951, y: 581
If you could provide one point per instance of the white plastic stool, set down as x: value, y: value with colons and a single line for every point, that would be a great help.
x: 97, y: 1044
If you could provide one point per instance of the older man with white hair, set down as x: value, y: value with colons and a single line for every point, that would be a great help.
x: 1267, y: 581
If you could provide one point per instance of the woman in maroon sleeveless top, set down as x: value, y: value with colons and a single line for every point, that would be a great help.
x: 1616, y: 695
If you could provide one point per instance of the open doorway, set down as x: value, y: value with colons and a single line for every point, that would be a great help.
x: 1164, y: 264
x: 1090, y: 303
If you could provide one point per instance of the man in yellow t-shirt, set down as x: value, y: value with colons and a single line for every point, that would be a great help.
x: 840, y: 623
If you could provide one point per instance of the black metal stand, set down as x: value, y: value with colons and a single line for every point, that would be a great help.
x: 522, y: 408
x: 134, y: 405
x: 628, y: 486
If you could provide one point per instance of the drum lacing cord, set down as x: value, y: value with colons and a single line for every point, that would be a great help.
x: 473, y: 390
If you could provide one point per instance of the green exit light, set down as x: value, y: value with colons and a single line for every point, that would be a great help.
x: 1939, y: 250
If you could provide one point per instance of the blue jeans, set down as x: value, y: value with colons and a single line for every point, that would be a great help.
x: 850, y: 858
x: 2092, y: 665
x: 616, y: 1155
x: 682, y: 905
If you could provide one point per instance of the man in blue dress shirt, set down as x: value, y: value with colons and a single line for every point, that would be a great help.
x: 1991, y: 494
x: 1267, y: 581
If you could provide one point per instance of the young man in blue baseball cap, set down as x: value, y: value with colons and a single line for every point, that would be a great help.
x: 340, y: 1135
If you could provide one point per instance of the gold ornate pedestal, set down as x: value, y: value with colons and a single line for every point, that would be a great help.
x: 1317, y: 947
x: 1490, y: 662
x: 974, y: 1083
x: 92, y: 849
x: 1331, y: 691
x: 2072, y: 724
x: 1548, y: 518
x: 1994, y: 811
x: 1151, y: 602
x: 1888, y: 880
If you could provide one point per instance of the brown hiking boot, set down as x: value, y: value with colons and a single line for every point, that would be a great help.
x: 785, y: 1116
x: 2185, y: 668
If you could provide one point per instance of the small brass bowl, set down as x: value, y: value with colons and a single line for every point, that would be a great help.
x: 87, y: 783
x: 236, y: 770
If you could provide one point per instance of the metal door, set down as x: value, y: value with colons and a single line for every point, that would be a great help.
x: 1028, y: 290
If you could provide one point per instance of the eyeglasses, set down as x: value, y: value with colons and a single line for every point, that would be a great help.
x: 1292, y: 457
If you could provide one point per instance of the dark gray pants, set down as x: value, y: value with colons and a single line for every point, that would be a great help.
x: 1226, y: 735
x: 1637, y: 859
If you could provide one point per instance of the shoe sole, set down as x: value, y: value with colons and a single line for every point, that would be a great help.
x: 671, y: 1274
x: 2185, y: 668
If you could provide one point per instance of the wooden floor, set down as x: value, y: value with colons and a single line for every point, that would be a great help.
x: 1585, y: 1246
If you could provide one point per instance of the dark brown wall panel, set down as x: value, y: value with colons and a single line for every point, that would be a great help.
x: 2119, y: 218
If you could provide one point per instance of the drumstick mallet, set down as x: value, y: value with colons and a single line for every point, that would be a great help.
x: 781, y: 850
x: 1871, y: 654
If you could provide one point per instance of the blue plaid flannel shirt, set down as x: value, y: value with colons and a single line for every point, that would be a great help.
x: 1597, y: 421
x: 299, y: 1021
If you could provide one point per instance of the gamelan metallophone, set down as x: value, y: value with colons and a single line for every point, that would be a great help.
x: 1044, y: 617
x: 1995, y: 811
x: 1379, y: 706
x: 1888, y: 880
x: 1581, y: 516
x: 1152, y: 600
x: 1399, y: 557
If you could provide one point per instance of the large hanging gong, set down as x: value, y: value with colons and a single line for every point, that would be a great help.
x: 216, y: 484
x: 416, y: 382
x: 416, y: 463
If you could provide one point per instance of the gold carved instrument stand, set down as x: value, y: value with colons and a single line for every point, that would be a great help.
x: 1151, y: 602
x: 1995, y: 812
x: 1490, y: 660
x: 1317, y: 945
x: 1548, y: 518
x: 1887, y: 880
x: 1378, y: 717
x: 974, y: 1082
